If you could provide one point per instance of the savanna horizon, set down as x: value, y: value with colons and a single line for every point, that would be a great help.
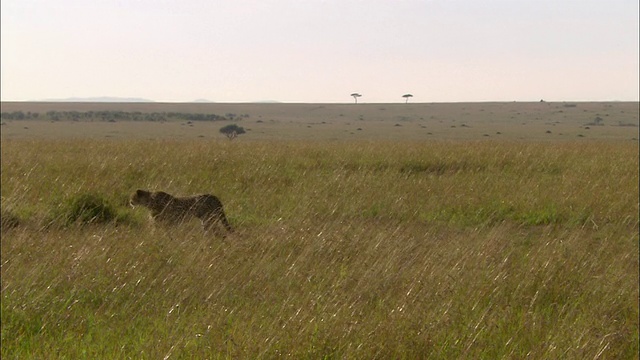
x: 398, y: 244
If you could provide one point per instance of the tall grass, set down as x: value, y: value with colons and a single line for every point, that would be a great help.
x: 342, y: 250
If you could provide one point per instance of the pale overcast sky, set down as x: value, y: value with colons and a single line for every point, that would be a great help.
x: 321, y: 51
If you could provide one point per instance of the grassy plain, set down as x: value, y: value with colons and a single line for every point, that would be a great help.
x: 390, y: 245
x: 542, y: 121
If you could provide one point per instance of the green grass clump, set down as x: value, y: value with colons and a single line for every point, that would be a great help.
x: 340, y: 250
x: 88, y: 209
x: 8, y: 219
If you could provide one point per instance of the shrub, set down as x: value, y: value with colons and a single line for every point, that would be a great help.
x: 232, y: 130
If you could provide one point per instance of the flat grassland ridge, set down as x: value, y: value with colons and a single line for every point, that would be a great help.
x: 394, y: 244
x: 419, y: 121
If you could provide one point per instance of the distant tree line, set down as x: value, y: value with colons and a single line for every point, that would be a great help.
x: 19, y: 115
x: 116, y: 116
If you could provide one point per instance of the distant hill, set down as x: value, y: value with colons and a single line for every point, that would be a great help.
x: 102, y: 99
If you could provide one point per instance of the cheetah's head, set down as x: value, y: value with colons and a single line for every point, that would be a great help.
x: 140, y: 197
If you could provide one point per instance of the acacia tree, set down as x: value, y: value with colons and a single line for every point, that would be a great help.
x: 356, y: 96
x: 407, y: 96
x: 232, y: 131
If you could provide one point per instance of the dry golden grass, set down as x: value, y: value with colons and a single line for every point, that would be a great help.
x: 361, y: 249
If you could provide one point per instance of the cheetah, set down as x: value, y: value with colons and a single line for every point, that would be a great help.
x: 170, y: 209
